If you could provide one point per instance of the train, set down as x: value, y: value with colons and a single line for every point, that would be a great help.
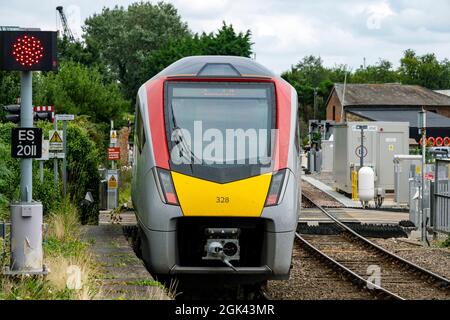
x: 216, y: 171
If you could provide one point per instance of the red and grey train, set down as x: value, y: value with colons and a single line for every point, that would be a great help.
x: 206, y: 203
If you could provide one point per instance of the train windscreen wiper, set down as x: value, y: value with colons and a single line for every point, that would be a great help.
x: 181, y: 140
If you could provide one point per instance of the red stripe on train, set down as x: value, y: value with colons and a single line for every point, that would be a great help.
x: 281, y: 152
x: 155, y: 94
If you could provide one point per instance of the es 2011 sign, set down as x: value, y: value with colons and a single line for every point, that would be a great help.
x: 26, y: 143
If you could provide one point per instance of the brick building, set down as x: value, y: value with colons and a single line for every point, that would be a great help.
x: 383, y: 97
x: 390, y: 102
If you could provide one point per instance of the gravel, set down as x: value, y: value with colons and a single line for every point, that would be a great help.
x: 436, y: 260
x: 313, y: 280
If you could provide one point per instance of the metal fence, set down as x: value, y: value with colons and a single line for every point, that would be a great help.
x: 440, y: 210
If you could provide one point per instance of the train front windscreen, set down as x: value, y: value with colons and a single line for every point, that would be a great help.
x: 220, y: 124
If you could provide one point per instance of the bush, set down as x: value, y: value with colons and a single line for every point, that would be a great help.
x: 46, y: 192
x: 9, y: 173
x: 82, y: 173
x: 82, y: 170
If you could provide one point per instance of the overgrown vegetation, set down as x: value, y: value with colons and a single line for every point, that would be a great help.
x: 72, y: 271
x: 445, y: 243
x: 83, y: 161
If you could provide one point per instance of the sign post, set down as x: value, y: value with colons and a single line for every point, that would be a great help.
x: 26, y: 51
x: 113, y: 175
x: 361, y: 154
x: 64, y: 118
x: 423, y: 213
x: 44, y: 157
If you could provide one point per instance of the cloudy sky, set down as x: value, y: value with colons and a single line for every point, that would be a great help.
x: 341, y: 32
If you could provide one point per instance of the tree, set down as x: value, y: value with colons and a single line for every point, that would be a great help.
x: 382, y: 72
x: 124, y: 38
x: 80, y: 90
x: 424, y: 70
x: 9, y: 90
x: 225, y: 42
x: 311, y: 79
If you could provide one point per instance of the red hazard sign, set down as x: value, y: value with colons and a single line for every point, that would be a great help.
x: 114, y: 153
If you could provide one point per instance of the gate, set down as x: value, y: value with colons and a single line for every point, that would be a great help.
x: 440, y: 213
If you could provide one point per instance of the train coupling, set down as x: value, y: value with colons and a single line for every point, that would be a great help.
x: 222, y: 244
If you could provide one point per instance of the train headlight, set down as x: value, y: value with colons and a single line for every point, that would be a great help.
x: 165, y: 186
x: 275, y: 189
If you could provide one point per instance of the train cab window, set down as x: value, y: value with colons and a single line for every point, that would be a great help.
x: 222, y: 111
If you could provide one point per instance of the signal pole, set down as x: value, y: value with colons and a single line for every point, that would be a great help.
x: 26, y: 215
x: 27, y: 50
x: 26, y: 121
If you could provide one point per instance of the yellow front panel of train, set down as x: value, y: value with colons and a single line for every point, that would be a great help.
x: 243, y: 198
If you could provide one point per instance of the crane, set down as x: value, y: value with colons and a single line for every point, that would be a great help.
x: 67, y: 32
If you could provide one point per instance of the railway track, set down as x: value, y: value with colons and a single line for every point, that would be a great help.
x: 370, y: 266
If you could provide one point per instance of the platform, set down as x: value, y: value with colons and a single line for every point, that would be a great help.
x: 349, y: 203
x: 313, y: 216
x: 123, y: 274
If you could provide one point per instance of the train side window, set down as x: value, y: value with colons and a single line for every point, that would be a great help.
x: 140, y: 134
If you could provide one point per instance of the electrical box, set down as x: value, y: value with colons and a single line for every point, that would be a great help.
x: 382, y: 140
x: 327, y: 155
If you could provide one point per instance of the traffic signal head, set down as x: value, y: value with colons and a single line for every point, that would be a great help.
x: 43, y: 113
x: 13, y: 112
x: 28, y: 51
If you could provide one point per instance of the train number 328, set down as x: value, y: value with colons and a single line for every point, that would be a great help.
x: 222, y: 199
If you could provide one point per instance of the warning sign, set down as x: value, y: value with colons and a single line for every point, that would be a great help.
x: 113, y: 136
x: 56, y: 140
x: 113, y: 182
x: 114, y: 153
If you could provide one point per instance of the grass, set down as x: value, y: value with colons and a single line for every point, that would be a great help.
x: 125, y: 187
x: 72, y: 273
x: 146, y: 283
x: 445, y: 243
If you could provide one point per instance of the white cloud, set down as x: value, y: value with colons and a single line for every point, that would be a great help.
x: 286, y: 30
x: 377, y: 13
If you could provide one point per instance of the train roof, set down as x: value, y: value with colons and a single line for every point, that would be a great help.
x: 216, y: 66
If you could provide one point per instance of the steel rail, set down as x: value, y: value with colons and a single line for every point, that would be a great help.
x: 363, y: 283
x: 443, y: 282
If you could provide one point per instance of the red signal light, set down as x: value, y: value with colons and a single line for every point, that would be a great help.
x: 27, y: 50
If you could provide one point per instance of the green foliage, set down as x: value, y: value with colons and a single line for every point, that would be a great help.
x: 382, y: 72
x: 9, y: 90
x: 225, y: 42
x: 82, y: 163
x: 35, y: 288
x: 77, y: 89
x: 310, y: 75
x: 46, y: 191
x: 66, y: 248
x: 125, y: 187
x: 9, y: 172
x: 125, y: 37
x: 445, y: 243
x: 425, y: 70
x: 146, y: 283
x: 82, y: 169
